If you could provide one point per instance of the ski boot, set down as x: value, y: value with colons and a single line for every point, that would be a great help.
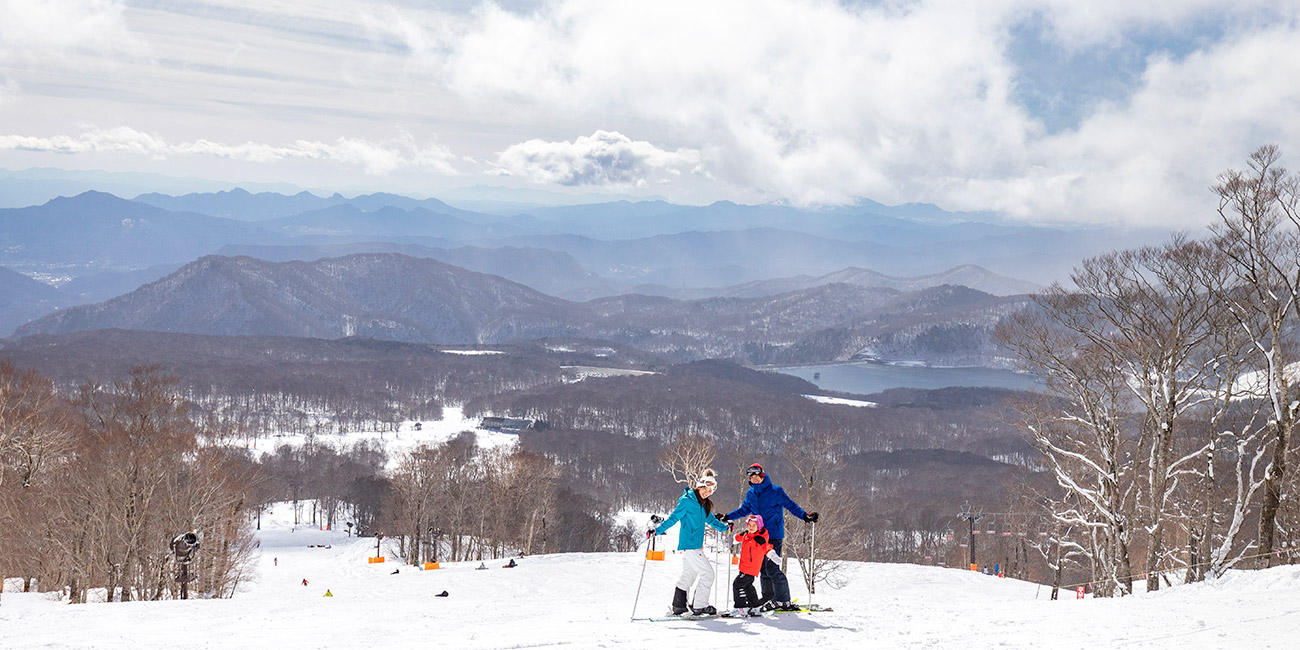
x: 679, y: 603
x: 707, y: 610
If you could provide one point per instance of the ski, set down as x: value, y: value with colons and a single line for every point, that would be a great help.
x: 661, y: 619
x: 803, y: 609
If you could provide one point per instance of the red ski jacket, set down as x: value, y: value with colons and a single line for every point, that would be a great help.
x: 752, y: 549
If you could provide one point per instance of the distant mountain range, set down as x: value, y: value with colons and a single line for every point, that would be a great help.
x: 95, y: 231
x: 622, y: 256
x: 651, y: 242
x: 401, y: 298
x: 967, y: 275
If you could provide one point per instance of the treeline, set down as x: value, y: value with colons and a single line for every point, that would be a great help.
x: 265, y: 385
x: 760, y: 412
x: 95, y: 485
x: 456, y: 501
x: 1170, y: 421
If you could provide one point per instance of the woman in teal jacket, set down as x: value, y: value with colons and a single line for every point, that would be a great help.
x: 694, y: 512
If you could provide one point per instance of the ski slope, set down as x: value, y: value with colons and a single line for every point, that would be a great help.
x: 586, y: 600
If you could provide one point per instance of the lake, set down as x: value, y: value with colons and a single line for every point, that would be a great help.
x: 865, y: 378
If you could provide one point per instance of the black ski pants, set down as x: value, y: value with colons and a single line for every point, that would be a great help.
x: 775, y: 586
x: 743, y: 591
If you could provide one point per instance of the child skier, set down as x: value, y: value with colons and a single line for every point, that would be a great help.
x: 693, y: 511
x: 754, y: 548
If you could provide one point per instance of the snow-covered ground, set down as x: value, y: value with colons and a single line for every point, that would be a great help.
x: 841, y: 400
x: 407, y: 436
x: 586, y: 601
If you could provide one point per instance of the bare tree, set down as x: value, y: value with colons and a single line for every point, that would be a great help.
x: 817, y: 460
x: 687, y: 456
x: 1259, y: 231
x: 1082, y: 434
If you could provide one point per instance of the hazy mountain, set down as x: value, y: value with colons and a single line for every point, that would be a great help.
x: 864, y: 221
x: 94, y: 230
x: 695, y: 259
x: 550, y: 272
x: 37, y: 185
x: 241, y: 204
x: 382, y: 296
x: 395, y: 297
x: 98, y: 287
x: 22, y: 299
x: 967, y: 275
x: 351, y: 222
x: 631, y: 243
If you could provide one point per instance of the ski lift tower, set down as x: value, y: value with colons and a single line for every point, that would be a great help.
x: 972, y: 518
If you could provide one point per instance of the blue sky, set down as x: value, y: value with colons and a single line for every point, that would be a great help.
x: 1045, y: 110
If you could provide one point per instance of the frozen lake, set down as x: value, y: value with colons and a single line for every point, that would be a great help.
x: 866, y: 378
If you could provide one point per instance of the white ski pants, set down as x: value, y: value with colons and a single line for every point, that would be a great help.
x: 696, y: 565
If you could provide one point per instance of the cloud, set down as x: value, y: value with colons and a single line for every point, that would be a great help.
x: 604, y: 158
x: 823, y: 102
x: 372, y: 158
x: 56, y: 29
x: 1153, y: 156
x: 812, y: 101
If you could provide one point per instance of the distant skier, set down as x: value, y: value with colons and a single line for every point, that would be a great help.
x: 767, y: 500
x: 693, y: 511
x: 511, y: 565
x: 304, y: 582
x: 754, y: 548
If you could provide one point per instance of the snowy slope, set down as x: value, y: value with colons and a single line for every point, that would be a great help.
x: 586, y: 600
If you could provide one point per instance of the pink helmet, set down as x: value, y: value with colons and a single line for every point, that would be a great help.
x: 758, y: 519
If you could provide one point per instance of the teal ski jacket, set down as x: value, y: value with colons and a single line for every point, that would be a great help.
x: 690, y: 512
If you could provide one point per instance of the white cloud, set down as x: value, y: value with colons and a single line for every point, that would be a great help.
x: 818, y: 102
x: 604, y: 158
x: 53, y: 29
x: 1154, y: 156
x: 373, y: 158
x: 807, y: 100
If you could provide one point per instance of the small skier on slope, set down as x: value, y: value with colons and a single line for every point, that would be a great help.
x: 754, y: 548
x: 694, y: 512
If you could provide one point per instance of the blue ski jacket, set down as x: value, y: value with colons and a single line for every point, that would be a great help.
x: 766, y: 500
x: 691, y: 513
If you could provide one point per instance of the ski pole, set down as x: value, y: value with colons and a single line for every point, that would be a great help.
x: 731, y: 541
x: 812, y: 564
x: 654, y: 519
x: 715, y: 570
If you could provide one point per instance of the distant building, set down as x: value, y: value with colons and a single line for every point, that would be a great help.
x: 505, y: 425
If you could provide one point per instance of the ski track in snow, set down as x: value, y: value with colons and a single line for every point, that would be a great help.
x: 584, y: 600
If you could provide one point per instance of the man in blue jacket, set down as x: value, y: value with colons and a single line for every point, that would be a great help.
x: 766, y: 499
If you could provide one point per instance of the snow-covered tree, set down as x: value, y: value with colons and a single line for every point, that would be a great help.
x: 1259, y: 232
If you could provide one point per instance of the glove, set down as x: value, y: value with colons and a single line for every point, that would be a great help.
x: 649, y: 533
x: 771, y: 555
x: 810, y: 517
x: 721, y: 518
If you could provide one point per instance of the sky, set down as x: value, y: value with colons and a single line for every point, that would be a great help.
x: 1043, y: 110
